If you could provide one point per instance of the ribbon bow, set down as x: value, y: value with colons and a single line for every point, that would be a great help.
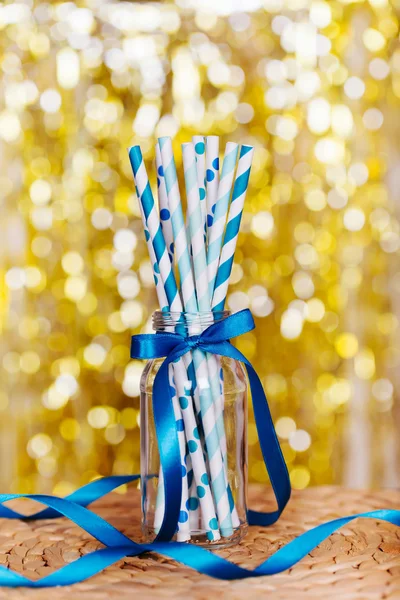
x: 215, y: 340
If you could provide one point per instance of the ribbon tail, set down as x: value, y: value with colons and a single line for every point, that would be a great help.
x: 268, y: 440
x: 168, y: 445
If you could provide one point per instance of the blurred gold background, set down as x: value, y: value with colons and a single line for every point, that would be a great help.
x: 315, y: 86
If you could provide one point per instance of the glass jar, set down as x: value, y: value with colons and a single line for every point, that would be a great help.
x: 210, y: 406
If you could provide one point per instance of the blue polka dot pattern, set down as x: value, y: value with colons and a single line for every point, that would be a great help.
x: 164, y: 214
x: 213, y: 524
x: 155, y: 279
x: 202, y: 193
x: 180, y: 425
x: 172, y: 390
x: 192, y: 504
x: 210, y: 175
x: 204, y: 479
x: 183, y: 401
x: 201, y: 492
x: 146, y: 235
x: 161, y: 171
x: 156, y: 268
x: 192, y: 445
x: 183, y: 469
x: 158, y: 182
x: 183, y: 516
x: 196, y: 433
x: 209, y: 220
x: 199, y: 147
x: 215, y: 164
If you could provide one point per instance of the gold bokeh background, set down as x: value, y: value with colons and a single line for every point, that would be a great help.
x: 315, y: 86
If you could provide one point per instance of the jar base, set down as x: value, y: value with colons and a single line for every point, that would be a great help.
x: 199, y: 538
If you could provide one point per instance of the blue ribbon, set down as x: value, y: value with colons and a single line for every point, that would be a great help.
x: 215, y: 340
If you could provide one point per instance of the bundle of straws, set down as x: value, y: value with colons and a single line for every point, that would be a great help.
x: 202, y: 249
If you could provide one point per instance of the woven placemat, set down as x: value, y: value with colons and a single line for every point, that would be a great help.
x: 362, y: 561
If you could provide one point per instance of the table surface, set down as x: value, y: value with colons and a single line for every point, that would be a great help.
x: 361, y: 561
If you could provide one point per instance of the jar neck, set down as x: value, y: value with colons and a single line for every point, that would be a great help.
x: 187, y: 323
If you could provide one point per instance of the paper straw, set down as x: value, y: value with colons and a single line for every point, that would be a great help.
x: 199, y: 470
x: 146, y: 199
x: 226, y: 262
x: 218, y: 478
x: 165, y: 216
x: 201, y: 275
x: 221, y: 208
x: 166, y: 223
x: 183, y: 533
x: 200, y: 261
x: 200, y: 269
x: 232, y: 228
x: 199, y: 148
x: 196, y: 227
x: 152, y: 219
x: 178, y: 226
x: 212, y: 177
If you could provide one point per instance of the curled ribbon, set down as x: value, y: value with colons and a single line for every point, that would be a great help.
x: 215, y: 340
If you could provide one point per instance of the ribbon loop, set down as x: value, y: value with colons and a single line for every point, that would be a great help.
x: 232, y: 326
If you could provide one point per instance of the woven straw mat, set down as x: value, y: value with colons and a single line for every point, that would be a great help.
x: 361, y: 561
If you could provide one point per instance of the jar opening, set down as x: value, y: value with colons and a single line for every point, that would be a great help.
x: 189, y: 320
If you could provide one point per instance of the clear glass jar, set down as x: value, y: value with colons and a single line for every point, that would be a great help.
x: 210, y: 405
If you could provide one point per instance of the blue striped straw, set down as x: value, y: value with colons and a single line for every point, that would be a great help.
x: 232, y: 228
x: 153, y: 223
x: 226, y: 260
x: 218, y: 478
x: 165, y: 268
x: 183, y: 533
x: 178, y: 226
x: 166, y: 224
x: 200, y: 149
x: 212, y: 177
x: 221, y: 209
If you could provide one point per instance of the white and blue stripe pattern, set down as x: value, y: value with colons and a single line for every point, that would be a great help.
x: 154, y: 227
x: 232, y: 228
x: 221, y: 207
x: 178, y: 225
x: 183, y: 533
x: 225, y: 267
